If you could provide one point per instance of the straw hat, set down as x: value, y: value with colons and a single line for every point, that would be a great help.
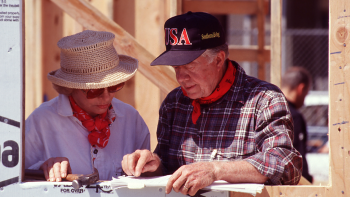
x: 89, y: 61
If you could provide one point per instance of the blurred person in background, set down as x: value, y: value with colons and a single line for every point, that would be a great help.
x: 296, y: 84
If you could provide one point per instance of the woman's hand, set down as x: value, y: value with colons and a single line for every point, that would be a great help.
x: 56, y: 168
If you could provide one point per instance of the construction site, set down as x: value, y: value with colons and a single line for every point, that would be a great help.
x: 266, y: 38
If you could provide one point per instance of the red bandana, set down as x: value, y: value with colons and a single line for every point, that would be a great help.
x: 98, y: 126
x: 220, y: 90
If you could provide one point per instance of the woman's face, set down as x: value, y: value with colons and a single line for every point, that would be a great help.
x: 93, y: 106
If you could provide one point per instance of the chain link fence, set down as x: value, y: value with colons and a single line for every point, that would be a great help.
x: 307, y: 48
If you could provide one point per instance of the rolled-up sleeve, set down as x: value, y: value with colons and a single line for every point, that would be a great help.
x: 276, y: 159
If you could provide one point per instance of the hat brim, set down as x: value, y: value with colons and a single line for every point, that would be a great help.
x: 126, y: 69
x: 177, y: 58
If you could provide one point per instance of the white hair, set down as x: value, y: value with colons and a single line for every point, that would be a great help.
x: 211, y: 54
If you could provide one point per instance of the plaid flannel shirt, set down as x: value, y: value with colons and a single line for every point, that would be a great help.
x: 251, y: 122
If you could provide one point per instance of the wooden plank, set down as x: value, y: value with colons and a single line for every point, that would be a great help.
x: 148, y: 24
x: 339, y: 95
x: 261, y: 39
x: 104, y: 6
x: 124, y: 15
x: 52, y: 28
x: 33, y: 53
x: 248, y: 53
x: 284, y: 191
x: 92, y: 19
x: 249, y: 7
x: 276, y: 42
x: 345, y: 102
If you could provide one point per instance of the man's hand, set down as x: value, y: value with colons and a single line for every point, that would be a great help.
x: 56, y: 168
x: 188, y: 179
x: 139, y: 162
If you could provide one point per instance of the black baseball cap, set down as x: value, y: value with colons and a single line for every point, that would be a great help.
x: 187, y: 36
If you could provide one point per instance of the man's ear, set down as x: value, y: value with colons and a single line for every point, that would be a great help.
x: 300, y: 89
x: 220, y: 59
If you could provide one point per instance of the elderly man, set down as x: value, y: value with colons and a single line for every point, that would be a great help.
x: 220, y: 124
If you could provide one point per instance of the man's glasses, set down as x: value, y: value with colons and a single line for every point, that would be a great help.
x: 93, y: 93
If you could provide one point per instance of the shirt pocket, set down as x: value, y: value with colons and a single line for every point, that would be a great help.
x: 189, y: 150
x: 237, y: 151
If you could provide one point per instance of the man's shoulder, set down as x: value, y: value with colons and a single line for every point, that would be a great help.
x: 251, y: 84
x: 260, y: 85
x: 175, y: 95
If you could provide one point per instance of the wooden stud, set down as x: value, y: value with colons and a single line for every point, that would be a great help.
x: 33, y: 54
x: 124, y: 15
x: 52, y: 23
x: 339, y: 43
x: 276, y: 42
x: 148, y: 24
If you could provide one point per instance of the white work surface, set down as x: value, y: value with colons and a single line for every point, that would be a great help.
x: 65, y: 189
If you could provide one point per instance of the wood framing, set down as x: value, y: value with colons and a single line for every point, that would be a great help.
x: 91, y: 18
x: 33, y: 60
x: 276, y: 42
x: 52, y: 32
x: 163, y: 78
x: 123, y: 10
x: 148, y: 24
x: 339, y: 92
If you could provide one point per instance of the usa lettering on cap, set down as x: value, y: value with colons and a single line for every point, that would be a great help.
x: 172, y: 38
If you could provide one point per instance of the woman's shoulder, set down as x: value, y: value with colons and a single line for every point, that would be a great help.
x: 46, y: 107
x: 124, y: 108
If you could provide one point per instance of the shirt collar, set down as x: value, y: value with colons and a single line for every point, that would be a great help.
x: 236, y: 93
x: 64, y: 108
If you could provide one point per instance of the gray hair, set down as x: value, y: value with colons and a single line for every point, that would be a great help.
x: 211, y: 53
x: 63, y: 90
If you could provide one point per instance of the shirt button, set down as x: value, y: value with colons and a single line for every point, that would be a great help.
x: 95, y: 151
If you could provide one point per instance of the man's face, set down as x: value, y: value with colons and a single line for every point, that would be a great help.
x: 94, y: 106
x: 199, y: 78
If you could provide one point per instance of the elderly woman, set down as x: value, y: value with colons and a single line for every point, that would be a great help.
x: 85, y: 127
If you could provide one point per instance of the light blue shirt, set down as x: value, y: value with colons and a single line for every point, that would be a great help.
x: 53, y: 131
